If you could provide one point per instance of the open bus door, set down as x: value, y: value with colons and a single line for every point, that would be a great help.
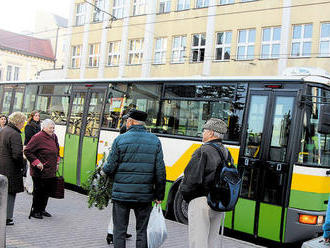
x: 265, y: 159
x: 82, y: 134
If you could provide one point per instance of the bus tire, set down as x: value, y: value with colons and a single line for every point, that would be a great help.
x: 180, y: 208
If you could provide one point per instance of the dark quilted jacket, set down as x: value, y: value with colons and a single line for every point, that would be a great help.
x: 136, y: 161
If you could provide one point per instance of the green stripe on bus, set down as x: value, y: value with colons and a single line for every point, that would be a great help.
x: 70, y: 158
x: 244, y: 215
x: 167, y: 189
x: 229, y: 219
x: 88, y: 158
x: 269, y: 225
x: 315, y: 201
x: 284, y: 223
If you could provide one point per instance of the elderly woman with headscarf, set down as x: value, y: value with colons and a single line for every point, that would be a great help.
x: 11, y: 159
x: 43, y: 153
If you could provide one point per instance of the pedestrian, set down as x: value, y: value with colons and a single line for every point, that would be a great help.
x: 203, y: 222
x: 136, y: 162
x: 43, y: 153
x: 32, y: 127
x: 11, y: 159
x: 326, y: 226
x: 3, y: 121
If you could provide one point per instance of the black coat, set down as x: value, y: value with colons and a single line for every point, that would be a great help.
x: 31, y: 129
x: 11, y: 157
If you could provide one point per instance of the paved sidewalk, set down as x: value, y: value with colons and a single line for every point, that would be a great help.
x: 75, y: 225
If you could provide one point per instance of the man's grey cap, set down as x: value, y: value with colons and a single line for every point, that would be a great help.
x: 216, y: 125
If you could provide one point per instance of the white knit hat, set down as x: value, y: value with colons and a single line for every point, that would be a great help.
x: 216, y: 125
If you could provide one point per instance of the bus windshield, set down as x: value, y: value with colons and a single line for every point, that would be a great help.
x: 314, y: 146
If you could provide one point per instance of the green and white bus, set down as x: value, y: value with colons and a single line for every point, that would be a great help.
x: 275, y: 137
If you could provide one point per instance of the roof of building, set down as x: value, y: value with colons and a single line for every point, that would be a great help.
x: 26, y: 45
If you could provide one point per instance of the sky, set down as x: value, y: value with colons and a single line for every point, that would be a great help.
x: 19, y: 15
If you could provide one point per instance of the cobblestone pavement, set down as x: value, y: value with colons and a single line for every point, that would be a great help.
x: 75, y: 225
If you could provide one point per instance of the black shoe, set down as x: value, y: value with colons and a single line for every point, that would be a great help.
x: 36, y: 215
x: 9, y: 222
x: 109, y: 239
x: 46, y: 214
x: 128, y: 235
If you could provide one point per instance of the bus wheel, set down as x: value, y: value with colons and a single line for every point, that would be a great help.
x: 180, y: 208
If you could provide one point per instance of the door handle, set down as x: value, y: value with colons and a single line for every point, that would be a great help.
x: 328, y: 173
x: 279, y: 167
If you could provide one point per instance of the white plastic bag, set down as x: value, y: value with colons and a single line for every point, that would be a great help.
x: 156, y: 231
x: 28, y: 180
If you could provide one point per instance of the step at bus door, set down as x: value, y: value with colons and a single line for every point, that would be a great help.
x: 264, y: 159
x: 82, y: 135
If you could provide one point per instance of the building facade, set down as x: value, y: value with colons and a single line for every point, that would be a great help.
x: 23, y: 57
x: 177, y: 38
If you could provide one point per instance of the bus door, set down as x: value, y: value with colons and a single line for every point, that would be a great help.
x: 82, y: 134
x: 12, y: 96
x: 264, y: 159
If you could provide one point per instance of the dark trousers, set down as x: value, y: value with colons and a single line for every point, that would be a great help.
x: 120, y: 212
x: 41, y: 187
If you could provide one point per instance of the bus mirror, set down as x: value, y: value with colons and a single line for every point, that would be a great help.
x: 324, y: 119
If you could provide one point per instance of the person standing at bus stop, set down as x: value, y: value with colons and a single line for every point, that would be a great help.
x: 136, y: 161
x: 326, y: 226
x: 11, y: 159
x: 204, y: 223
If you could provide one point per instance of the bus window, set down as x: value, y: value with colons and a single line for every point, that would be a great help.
x: 94, y: 114
x: 77, y: 112
x: 29, y: 98
x: 7, y: 94
x: 52, y: 89
x: 314, y: 147
x: 18, y: 101
x: 53, y: 107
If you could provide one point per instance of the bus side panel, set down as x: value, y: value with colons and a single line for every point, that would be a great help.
x: 244, y: 215
x: 70, y: 158
x: 88, y: 158
x: 315, y: 200
x: 167, y: 189
x: 229, y: 220
x: 269, y: 225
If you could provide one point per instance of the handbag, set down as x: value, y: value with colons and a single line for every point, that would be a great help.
x: 57, y: 189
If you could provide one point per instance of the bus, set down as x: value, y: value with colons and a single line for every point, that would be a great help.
x: 278, y: 136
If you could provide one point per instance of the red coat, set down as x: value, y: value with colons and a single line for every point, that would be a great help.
x: 45, y: 149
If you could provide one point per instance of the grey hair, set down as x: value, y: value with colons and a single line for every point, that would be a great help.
x: 17, y: 118
x: 139, y: 122
x: 218, y: 135
x: 46, y: 123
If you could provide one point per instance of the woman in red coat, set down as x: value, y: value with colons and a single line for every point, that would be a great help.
x: 43, y: 153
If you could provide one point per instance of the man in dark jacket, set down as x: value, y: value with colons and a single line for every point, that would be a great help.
x: 136, y: 161
x: 203, y: 222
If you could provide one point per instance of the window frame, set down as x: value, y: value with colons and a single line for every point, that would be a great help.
x: 94, y: 58
x: 202, y: 4
x: 98, y: 14
x: 80, y: 16
x: 166, y: 6
x: 75, y: 58
x: 324, y: 39
x: 301, y: 41
x: 113, y: 53
x: 180, y: 50
x: 225, y: 2
x: 9, y: 71
x: 139, y: 7
x: 270, y: 43
x: 134, y: 51
x: 199, y: 48
x: 184, y: 3
x: 16, y: 73
x: 161, y: 51
x: 223, y: 46
x: 246, y: 44
x: 118, y: 8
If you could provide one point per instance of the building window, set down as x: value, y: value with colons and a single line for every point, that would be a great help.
x: 114, y: 53
x: 178, y: 49
x: 0, y: 74
x: 226, y: 1
x: 325, y: 40
x: 202, y: 3
x: 16, y: 73
x: 75, y: 58
x: 94, y: 55
x: 183, y: 4
x: 302, y: 40
x: 198, y: 48
x: 9, y: 71
x: 98, y: 13
x: 243, y: 1
x: 118, y: 8
x: 222, y: 48
x: 246, y: 40
x: 135, y: 53
x: 160, y: 51
x: 139, y: 7
x: 271, y: 39
x: 164, y: 6
x: 80, y: 14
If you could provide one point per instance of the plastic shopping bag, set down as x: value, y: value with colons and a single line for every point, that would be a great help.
x: 156, y: 231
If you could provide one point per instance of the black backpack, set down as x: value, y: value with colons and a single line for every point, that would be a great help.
x: 226, y: 184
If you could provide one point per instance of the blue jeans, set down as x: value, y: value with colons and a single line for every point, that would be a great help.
x: 120, y: 212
